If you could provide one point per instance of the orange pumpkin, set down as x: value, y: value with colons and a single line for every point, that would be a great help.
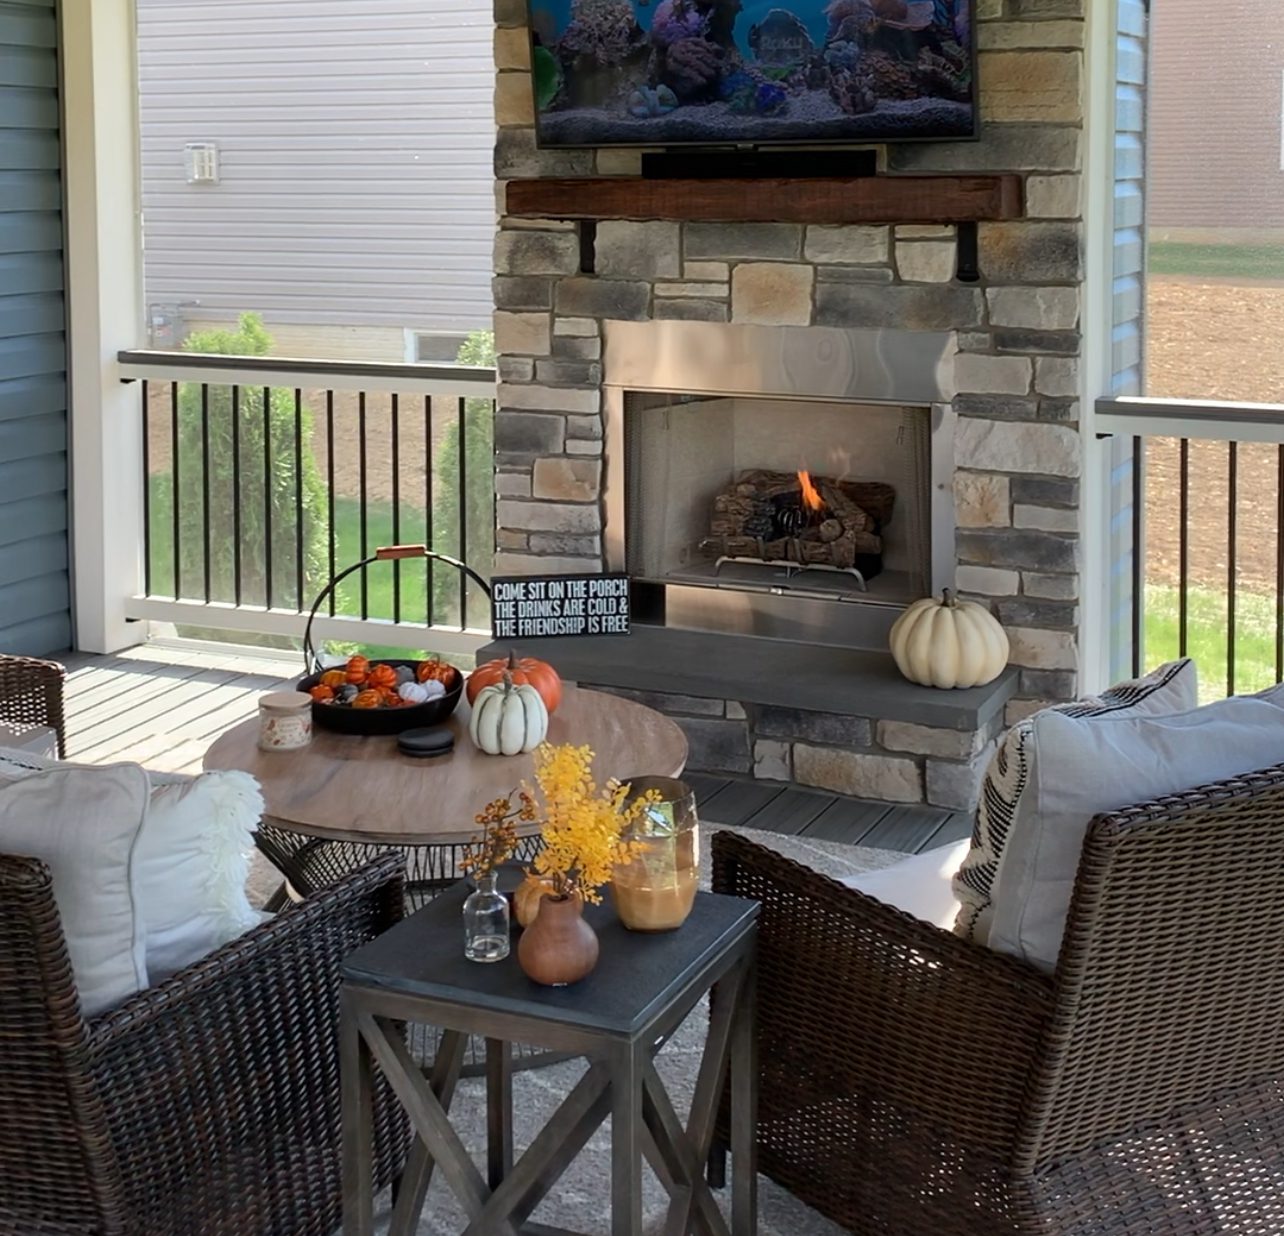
x: 542, y: 676
x: 367, y: 699
x: 321, y: 693
x: 356, y: 670
x: 382, y: 676
x: 437, y: 671
x: 334, y: 678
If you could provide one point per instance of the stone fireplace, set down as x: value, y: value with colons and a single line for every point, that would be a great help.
x: 651, y: 366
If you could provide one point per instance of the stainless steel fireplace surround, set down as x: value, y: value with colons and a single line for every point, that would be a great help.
x: 839, y: 373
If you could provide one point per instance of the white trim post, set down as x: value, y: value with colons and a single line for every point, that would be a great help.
x: 104, y: 315
x: 1096, y: 325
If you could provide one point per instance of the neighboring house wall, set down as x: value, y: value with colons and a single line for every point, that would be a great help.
x: 1216, y: 84
x: 355, y: 148
x: 34, y: 592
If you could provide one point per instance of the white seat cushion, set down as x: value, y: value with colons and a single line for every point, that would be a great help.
x: 84, y: 822
x: 1081, y: 767
x: 921, y: 885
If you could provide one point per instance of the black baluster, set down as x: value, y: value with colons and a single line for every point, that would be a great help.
x: 205, y: 481
x: 174, y: 466
x: 147, y: 492
x: 298, y: 499
x: 236, y: 494
x: 1232, y: 476
x: 267, y: 498
x: 1183, y: 560
x: 396, y: 511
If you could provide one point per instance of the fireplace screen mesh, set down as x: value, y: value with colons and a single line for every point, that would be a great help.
x: 820, y: 498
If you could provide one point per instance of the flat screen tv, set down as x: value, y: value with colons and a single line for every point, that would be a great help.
x: 752, y: 72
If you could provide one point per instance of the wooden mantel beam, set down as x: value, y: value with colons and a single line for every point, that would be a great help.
x: 869, y: 199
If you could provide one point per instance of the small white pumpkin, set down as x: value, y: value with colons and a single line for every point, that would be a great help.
x: 508, y: 719
x: 949, y: 643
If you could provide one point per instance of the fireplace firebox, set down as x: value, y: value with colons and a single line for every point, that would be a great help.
x: 778, y: 481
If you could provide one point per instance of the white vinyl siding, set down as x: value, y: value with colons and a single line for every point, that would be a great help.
x: 355, y: 147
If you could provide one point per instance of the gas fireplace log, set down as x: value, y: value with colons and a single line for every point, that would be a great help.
x: 763, y: 515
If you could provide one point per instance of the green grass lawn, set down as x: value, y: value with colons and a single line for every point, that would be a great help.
x: 381, y: 578
x: 1206, y: 637
x: 1216, y: 261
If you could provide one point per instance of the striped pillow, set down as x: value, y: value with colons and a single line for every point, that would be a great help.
x: 1168, y: 689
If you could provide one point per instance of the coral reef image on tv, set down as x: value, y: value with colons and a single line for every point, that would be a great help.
x: 716, y: 72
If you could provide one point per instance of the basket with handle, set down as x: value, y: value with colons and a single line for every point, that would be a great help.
x: 367, y: 721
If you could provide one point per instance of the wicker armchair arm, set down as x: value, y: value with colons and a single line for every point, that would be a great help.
x: 859, y: 999
x: 233, y: 1062
x: 31, y: 693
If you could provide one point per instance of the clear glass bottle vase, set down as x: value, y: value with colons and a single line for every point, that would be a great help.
x: 486, y: 921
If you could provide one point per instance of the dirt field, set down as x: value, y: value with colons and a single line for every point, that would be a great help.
x: 1222, y: 342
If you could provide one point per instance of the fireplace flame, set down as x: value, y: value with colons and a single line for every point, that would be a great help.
x: 811, y: 499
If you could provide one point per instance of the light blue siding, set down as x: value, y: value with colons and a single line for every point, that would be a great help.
x: 34, y: 589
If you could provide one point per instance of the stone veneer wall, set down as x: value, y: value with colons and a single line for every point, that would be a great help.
x: 864, y: 756
x: 1018, y: 451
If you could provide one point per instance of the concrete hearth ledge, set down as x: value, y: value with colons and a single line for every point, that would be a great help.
x: 773, y: 672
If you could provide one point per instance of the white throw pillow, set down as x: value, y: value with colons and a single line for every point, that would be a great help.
x: 1170, y: 688
x: 191, y: 862
x: 84, y: 822
x: 1083, y: 766
x: 920, y: 885
x: 193, y: 859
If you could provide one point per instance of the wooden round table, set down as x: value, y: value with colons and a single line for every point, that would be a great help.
x: 332, y: 805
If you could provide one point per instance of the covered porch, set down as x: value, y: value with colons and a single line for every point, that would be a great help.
x: 1021, y: 371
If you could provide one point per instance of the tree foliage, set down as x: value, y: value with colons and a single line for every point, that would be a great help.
x: 276, y: 481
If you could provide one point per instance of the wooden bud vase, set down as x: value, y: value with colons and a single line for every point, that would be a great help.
x: 559, y: 947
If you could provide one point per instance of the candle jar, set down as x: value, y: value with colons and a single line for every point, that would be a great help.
x: 285, y: 721
x: 656, y: 888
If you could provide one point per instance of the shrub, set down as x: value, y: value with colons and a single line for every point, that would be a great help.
x: 267, y: 492
x: 478, y: 549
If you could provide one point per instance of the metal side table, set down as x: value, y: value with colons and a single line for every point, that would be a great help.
x: 618, y: 1018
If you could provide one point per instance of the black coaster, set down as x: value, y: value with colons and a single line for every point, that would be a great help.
x: 424, y: 744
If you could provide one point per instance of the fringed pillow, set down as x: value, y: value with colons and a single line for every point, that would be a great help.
x: 1171, y: 688
x: 193, y: 858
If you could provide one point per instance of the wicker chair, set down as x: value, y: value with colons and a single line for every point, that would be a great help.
x: 31, y: 693
x: 915, y: 1084
x: 206, y: 1106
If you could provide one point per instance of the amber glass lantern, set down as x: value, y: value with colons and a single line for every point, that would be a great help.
x: 656, y: 888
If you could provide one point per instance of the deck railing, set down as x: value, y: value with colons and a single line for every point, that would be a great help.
x: 265, y: 477
x: 1208, y: 534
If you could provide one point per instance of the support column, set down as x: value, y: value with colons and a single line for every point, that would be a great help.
x: 105, y: 314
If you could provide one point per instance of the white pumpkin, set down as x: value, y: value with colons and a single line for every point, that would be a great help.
x: 508, y: 719
x: 949, y: 643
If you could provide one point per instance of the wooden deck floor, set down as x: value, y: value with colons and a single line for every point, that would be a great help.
x: 164, y: 706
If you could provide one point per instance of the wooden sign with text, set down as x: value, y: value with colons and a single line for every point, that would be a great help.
x: 540, y: 606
